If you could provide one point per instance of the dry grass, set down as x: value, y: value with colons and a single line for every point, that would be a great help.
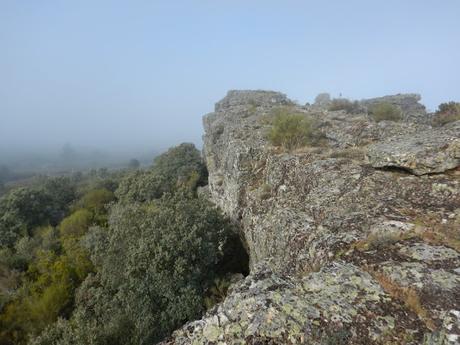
x: 429, y: 228
x: 442, y: 235
x: 433, y: 231
x: 312, y: 266
x: 265, y: 191
x: 356, y: 153
x: 381, y: 240
x: 407, y: 295
x: 317, y: 150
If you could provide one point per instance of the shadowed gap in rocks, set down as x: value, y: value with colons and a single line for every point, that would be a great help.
x: 236, y: 258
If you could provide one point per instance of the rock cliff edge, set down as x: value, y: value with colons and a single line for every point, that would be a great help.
x: 353, y: 242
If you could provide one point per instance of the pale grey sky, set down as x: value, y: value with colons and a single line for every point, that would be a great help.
x: 132, y: 74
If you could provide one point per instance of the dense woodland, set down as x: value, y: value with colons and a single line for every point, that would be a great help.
x: 120, y: 257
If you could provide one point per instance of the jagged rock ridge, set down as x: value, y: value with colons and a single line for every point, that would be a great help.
x: 353, y: 242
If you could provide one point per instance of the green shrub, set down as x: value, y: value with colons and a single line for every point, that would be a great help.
x: 61, y: 191
x: 25, y: 208
x: 59, y: 332
x: 292, y: 130
x: 153, y: 260
x: 178, y: 164
x: 134, y: 164
x: 141, y: 186
x: 447, y: 112
x: 96, y: 200
x: 252, y: 108
x: 217, y: 292
x: 21, y: 210
x: 76, y: 224
x: 42, y: 264
x: 265, y: 192
x: 46, y: 294
x: 385, y: 112
x: 179, y: 167
x: 2, y: 188
x: 344, y: 104
x: 157, y: 261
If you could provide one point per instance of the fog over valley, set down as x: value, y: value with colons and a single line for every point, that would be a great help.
x: 125, y: 80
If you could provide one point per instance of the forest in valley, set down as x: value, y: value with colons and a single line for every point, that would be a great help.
x: 113, y: 256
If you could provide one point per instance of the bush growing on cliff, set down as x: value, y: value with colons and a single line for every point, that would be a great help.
x: 292, y: 130
x: 385, y: 112
x: 447, y: 112
x: 344, y: 104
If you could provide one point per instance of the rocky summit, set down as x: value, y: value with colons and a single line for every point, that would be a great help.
x: 355, y: 240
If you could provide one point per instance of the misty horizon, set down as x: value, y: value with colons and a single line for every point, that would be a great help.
x: 132, y: 78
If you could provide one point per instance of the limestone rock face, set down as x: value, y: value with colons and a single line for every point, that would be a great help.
x: 341, y: 251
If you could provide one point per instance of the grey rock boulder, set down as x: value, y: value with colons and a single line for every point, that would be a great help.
x: 425, y: 152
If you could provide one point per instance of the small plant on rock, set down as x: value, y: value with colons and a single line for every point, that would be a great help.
x: 217, y: 292
x: 447, y: 112
x: 385, y: 112
x: 292, y: 130
x: 265, y: 192
x: 344, y: 104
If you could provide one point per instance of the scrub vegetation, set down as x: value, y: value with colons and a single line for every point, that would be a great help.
x: 447, y: 112
x: 292, y: 130
x: 113, y: 258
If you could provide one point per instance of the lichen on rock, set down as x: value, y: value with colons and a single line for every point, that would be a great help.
x: 429, y: 151
x: 342, y: 249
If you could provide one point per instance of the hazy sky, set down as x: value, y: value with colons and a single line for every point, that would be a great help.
x: 128, y: 74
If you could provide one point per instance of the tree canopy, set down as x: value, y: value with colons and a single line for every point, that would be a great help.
x: 87, y: 265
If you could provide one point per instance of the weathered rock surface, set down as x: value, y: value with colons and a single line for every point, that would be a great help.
x: 275, y: 309
x: 341, y: 252
x: 425, y: 152
x: 408, y: 103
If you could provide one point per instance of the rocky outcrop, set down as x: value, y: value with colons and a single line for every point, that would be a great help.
x: 409, y: 104
x: 341, y: 250
x: 425, y: 152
